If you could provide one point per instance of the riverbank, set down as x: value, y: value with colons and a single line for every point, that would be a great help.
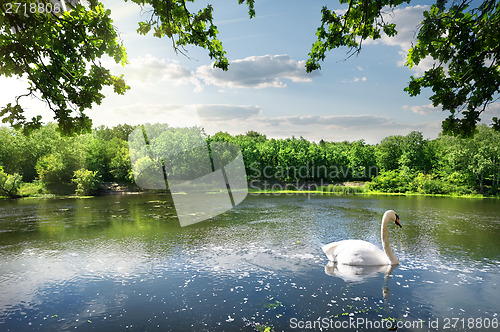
x: 37, y: 190
x: 368, y: 193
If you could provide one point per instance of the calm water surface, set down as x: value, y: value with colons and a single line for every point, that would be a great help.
x: 118, y: 263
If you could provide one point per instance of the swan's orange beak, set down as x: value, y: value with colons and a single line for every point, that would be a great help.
x: 397, y: 221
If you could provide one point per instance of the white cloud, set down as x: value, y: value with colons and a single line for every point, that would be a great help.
x: 257, y: 72
x: 205, y: 115
x: 340, y: 127
x: 140, y: 113
x: 121, y: 11
x: 422, y: 109
x: 338, y: 121
x: 149, y: 69
x: 214, y: 112
x: 355, y: 80
x: 407, y: 22
x: 493, y: 109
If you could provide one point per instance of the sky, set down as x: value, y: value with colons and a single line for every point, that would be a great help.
x: 266, y: 88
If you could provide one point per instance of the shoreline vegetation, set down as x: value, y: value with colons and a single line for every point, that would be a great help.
x: 347, y: 192
x: 46, y: 164
x: 341, y: 190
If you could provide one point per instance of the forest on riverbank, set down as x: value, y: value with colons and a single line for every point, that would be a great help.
x: 45, y: 162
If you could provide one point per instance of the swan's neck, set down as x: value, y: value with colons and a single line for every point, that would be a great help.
x: 385, y: 243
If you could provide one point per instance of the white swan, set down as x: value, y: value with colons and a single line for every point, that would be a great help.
x: 359, y: 252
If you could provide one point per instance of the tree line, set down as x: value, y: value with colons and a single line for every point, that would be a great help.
x: 45, y: 162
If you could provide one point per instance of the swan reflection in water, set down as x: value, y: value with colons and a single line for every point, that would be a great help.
x: 358, y: 274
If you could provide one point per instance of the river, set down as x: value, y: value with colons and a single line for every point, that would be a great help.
x: 116, y: 263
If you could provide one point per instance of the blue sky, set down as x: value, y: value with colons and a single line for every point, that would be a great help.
x: 266, y: 88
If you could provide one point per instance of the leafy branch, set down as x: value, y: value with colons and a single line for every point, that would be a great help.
x: 461, y: 39
x: 57, y: 52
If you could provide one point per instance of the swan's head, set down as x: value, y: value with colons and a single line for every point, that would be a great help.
x: 390, y: 215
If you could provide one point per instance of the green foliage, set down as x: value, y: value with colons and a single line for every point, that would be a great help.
x: 56, y: 172
x: 296, y: 159
x: 427, y: 184
x: 119, y: 166
x: 464, y: 43
x: 414, y: 152
x: 9, y: 183
x: 58, y: 52
x: 87, y: 182
x: 55, y: 168
x: 20, y: 153
x: 362, y: 20
x: 342, y: 190
x: 97, y: 155
x: 399, y: 164
x: 173, y: 19
x: 263, y: 328
x: 52, y: 158
x: 31, y: 189
x: 387, y: 153
x: 478, y: 158
x: 462, y: 40
x: 119, y: 132
x: 447, y: 165
x: 113, y: 160
x: 391, y: 182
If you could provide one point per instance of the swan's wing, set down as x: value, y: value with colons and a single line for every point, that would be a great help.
x: 332, y: 250
x: 355, y: 252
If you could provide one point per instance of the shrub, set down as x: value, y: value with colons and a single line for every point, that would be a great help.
x: 9, y: 183
x: 87, y: 182
x: 120, y: 166
x: 31, y: 189
x: 56, y: 170
x: 427, y: 184
x: 394, y: 181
